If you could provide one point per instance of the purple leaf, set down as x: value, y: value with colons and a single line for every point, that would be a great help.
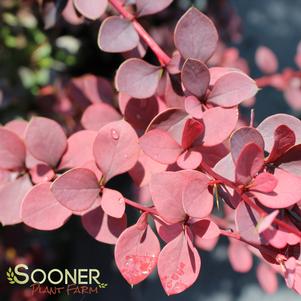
x: 179, y: 265
x: 91, y: 9
x: 195, y: 35
x: 45, y: 140
x: 103, y: 227
x: 195, y: 77
x: 40, y: 209
x: 116, y: 149
x: 136, y: 253
x: 146, y: 7
x: 232, y: 89
x: 12, y: 150
x: 138, y: 78
x: 117, y: 34
x: 77, y: 189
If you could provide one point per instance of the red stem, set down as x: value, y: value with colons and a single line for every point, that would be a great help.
x: 246, y: 199
x: 163, y: 58
x: 150, y: 210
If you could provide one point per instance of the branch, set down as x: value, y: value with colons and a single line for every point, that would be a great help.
x: 163, y: 58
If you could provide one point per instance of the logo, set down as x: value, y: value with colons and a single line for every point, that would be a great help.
x: 56, y: 281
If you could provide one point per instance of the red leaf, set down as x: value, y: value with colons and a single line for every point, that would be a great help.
x: 249, y: 163
x: 117, y: 34
x: 195, y: 35
x: 190, y: 159
x: 160, y: 146
x: 286, y: 193
x: 284, y: 139
x: 243, y: 136
x: 12, y: 150
x: 91, y: 9
x: 232, y: 89
x: 266, y: 60
x: 98, y: 115
x: 146, y: 7
x: 116, y: 149
x: 178, y: 265
x: 79, y: 150
x: 197, y: 200
x: 240, y: 257
x: 103, y: 227
x: 45, y: 140
x: 11, y: 196
x: 291, y: 160
x: 136, y: 253
x: 137, y: 78
x: 214, y: 133
x: 195, y: 77
x: 193, y: 107
x: 268, y: 126
x: 40, y: 209
x: 112, y: 203
x: 193, y: 129
x: 77, y: 189
x: 267, y: 278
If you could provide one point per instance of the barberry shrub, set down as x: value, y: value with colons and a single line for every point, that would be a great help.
x: 176, y: 131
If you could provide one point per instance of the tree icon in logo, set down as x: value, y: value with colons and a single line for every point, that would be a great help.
x: 10, y: 276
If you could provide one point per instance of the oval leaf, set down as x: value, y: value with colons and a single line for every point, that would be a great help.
x: 266, y: 60
x: 91, y: 9
x: 146, y: 7
x: 112, y: 203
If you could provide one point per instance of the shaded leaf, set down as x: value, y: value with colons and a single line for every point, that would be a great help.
x: 146, y: 7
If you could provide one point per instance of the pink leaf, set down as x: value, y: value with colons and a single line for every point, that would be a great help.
x: 232, y: 89
x: 136, y: 253
x: 18, y: 126
x: 12, y: 150
x: 193, y: 129
x: 240, y: 257
x: 190, y: 159
x: 178, y: 265
x: 79, y: 150
x: 40, y: 210
x: 217, y: 72
x: 249, y: 163
x: 197, y: 200
x: 204, y: 230
x: 267, y: 278
x: 286, y: 193
x: 117, y: 34
x: 137, y: 78
x: 268, y: 126
x: 291, y: 160
x: 292, y: 95
x: 11, y: 196
x: 41, y: 173
x: 267, y: 221
x: 214, y: 133
x: 112, y: 203
x: 168, y: 232
x: 193, y: 107
x: 77, y: 189
x: 160, y: 146
x: 264, y: 182
x: 98, y: 115
x: 45, y: 140
x: 91, y: 9
x: 195, y: 35
x: 195, y: 77
x: 284, y: 139
x: 103, y: 227
x: 243, y: 136
x: 116, y: 149
x: 266, y: 60
x: 145, y: 7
